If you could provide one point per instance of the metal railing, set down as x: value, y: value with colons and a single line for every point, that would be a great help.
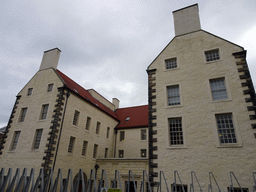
x: 26, y: 181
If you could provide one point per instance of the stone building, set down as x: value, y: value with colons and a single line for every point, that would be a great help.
x: 201, y: 107
x: 56, y: 123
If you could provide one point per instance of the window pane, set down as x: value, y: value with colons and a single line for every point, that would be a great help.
x: 212, y: 55
x: 108, y: 129
x: 84, y: 149
x: 121, y: 153
x: 226, y: 129
x: 88, y: 123
x: 50, y: 86
x: 173, y: 95
x: 176, y: 133
x: 98, y: 128
x: 44, y: 111
x: 29, y: 91
x: 218, y: 89
x: 95, y: 150
x: 143, y: 153
x: 171, y: 63
x: 144, y: 134
x: 23, y: 114
x: 106, y: 153
x: 76, y: 116
x: 38, y: 138
x: 15, y: 140
x: 121, y: 135
x: 71, y: 144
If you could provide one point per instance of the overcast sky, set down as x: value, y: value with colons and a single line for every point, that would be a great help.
x: 106, y: 45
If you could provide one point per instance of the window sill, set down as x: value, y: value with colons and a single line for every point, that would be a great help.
x: 84, y: 157
x: 221, y: 100
x: 210, y: 62
x: 87, y: 131
x: 11, y: 151
x: 177, y: 147
x: 70, y: 154
x: 173, y: 106
x: 235, y: 145
x: 166, y: 70
x: 34, y: 150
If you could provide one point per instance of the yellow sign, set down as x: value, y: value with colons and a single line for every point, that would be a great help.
x: 113, y: 190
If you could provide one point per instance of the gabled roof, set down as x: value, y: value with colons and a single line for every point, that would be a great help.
x: 133, y: 117
x: 80, y: 91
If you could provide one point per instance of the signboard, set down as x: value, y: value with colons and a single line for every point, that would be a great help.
x: 110, y: 190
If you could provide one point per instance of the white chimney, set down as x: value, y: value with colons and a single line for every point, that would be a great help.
x: 50, y: 59
x: 115, y: 101
x: 186, y: 20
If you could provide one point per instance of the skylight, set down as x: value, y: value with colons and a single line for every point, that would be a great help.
x: 75, y: 90
x: 127, y: 119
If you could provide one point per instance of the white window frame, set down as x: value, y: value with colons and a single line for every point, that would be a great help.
x: 21, y: 118
x: 41, y: 113
x: 15, y: 140
x: 171, y: 59
x: 183, y: 122
x: 210, y: 52
x: 216, y: 90
x: 180, y: 95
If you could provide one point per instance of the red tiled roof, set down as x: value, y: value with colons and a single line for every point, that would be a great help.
x: 138, y: 117
x: 77, y: 89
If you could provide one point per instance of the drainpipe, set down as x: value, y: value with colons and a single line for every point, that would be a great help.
x: 67, y: 95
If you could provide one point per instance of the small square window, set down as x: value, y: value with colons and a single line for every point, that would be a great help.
x: 173, y: 95
x: 218, y: 89
x: 38, y: 136
x: 122, y: 136
x: 50, y: 87
x: 171, y: 63
x: 143, y: 153
x: 76, y: 117
x: 15, y: 140
x: 84, y: 149
x: 143, y: 133
x: 98, y: 128
x: 44, y: 111
x: 71, y: 144
x: 23, y: 114
x: 121, y: 153
x: 212, y: 55
x: 95, y: 151
x: 29, y: 91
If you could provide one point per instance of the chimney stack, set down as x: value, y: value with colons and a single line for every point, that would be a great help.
x: 186, y: 20
x: 50, y: 59
x: 115, y: 101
